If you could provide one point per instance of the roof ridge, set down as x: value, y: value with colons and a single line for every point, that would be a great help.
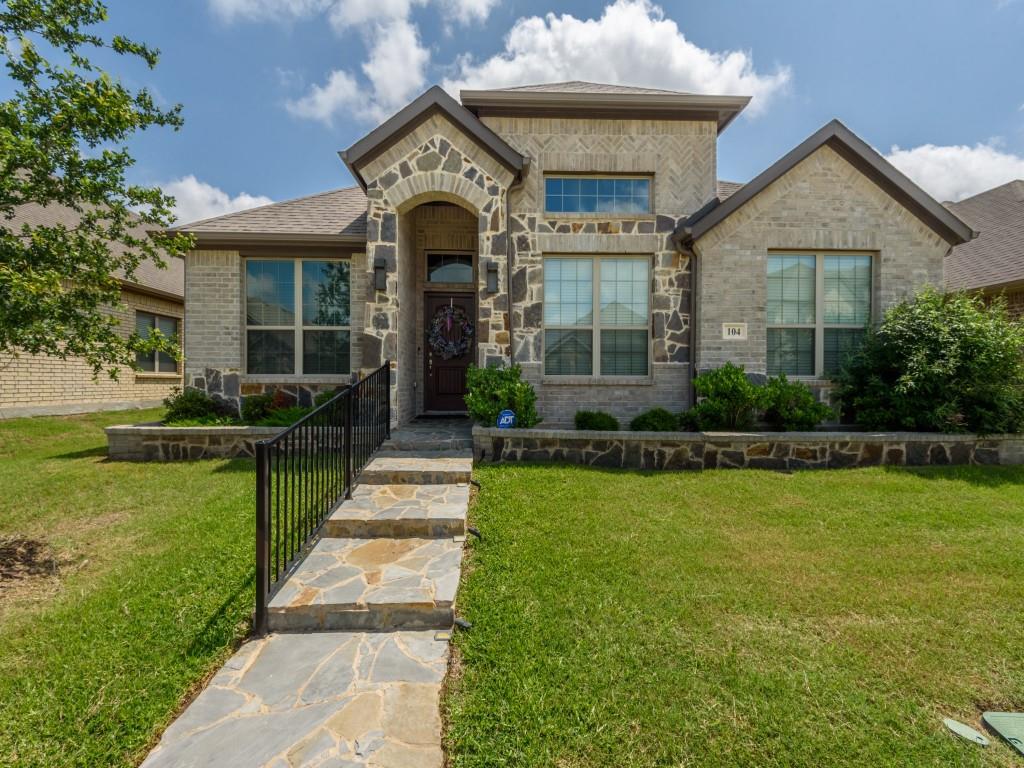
x: 274, y: 204
x: 1010, y: 183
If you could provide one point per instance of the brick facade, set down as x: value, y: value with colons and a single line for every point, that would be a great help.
x: 39, y: 385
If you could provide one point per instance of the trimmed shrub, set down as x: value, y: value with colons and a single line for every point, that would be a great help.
x: 596, y: 420
x: 938, y: 363
x: 730, y: 400
x: 323, y: 397
x: 655, y: 420
x: 283, y: 417
x: 194, y: 406
x: 256, y: 407
x: 491, y: 390
x: 791, y: 405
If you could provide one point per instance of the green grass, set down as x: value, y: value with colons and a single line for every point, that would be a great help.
x: 733, y: 618
x: 155, y: 588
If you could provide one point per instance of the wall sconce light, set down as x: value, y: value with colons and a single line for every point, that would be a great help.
x: 492, y: 278
x: 380, y: 274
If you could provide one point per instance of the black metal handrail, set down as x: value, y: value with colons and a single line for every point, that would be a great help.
x: 304, y: 471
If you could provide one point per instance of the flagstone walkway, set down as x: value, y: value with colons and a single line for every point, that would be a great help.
x: 336, y: 696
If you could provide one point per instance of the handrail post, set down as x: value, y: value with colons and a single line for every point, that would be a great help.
x: 387, y: 398
x: 349, y: 428
x: 262, y: 536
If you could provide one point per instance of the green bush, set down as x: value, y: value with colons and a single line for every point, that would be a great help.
x: 283, y: 417
x: 489, y: 391
x: 596, y: 420
x: 196, y: 407
x: 938, y: 362
x: 655, y: 420
x: 256, y: 407
x: 791, y: 405
x: 324, y: 397
x: 730, y: 400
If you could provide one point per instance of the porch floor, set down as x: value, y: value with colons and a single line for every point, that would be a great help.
x: 432, y: 433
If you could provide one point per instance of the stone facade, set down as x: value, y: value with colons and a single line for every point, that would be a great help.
x: 823, y: 204
x: 719, y: 450
x: 35, y: 385
x: 680, y: 157
x: 153, y: 442
x: 435, y: 161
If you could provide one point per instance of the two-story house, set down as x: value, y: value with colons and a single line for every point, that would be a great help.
x: 576, y: 229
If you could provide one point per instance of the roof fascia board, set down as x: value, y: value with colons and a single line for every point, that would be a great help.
x: 723, y: 109
x: 263, y: 238
x: 864, y: 158
x: 128, y: 285
x: 434, y: 100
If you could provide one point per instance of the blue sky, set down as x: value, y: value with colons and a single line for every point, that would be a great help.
x: 273, y: 88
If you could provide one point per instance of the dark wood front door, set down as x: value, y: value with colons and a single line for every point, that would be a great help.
x: 446, y: 379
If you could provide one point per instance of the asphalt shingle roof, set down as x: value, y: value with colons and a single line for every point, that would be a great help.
x: 148, y: 275
x: 726, y: 188
x: 339, y: 212
x: 996, y: 256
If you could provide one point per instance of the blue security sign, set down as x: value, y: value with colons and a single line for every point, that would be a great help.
x: 506, y: 419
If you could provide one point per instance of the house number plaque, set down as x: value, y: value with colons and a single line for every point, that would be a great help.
x: 734, y: 331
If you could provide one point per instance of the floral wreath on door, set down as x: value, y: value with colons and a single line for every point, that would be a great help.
x: 440, y: 333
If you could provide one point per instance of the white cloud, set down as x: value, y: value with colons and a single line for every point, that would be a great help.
x: 956, y: 172
x: 272, y: 10
x: 347, y: 15
x: 631, y: 43
x: 195, y: 200
x: 322, y: 102
x: 467, y: 11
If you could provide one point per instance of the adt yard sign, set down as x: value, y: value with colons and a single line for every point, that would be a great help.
x: 506, y: 420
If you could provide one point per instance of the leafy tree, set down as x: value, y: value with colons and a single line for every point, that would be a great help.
x: 62, y: 143
x: 939, y: 363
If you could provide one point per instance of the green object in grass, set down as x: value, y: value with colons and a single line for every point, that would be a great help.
x: 965, y: 732
x: 1009, y: 725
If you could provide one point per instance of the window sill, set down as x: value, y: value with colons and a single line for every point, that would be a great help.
x: 598, y: 381
x: 157, y: 375
x: 601, y: 216
x: 290, y: 378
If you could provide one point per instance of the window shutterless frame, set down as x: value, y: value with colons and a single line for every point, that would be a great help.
x: 161, y: 363
x: 600, y: 180
x: 819, y: 326
x: 299, y: 326
x: 595, y: 327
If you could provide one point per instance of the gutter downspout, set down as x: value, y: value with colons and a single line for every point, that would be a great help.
x: 509, y: 252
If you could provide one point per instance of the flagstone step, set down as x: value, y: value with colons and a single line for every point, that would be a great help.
x: 418, y: 468
x: 398, y: 511
x: 370, y: 584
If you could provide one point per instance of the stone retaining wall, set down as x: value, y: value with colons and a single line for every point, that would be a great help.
x: 762, y: 450
x: 155, y: 442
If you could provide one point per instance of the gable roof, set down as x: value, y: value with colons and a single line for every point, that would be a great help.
x: 726, y: 188
x: 430, y: 102
x: 996, y: 256
x: 334, y: 217
x: 856, y: 151
x: 577, y: 98
x: 168, y: 281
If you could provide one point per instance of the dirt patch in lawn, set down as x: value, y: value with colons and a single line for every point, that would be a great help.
x: 29, y: 569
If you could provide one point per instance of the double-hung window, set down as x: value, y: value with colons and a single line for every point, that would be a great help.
x: 155, y: 362
x: 297, y: 316
x: 819, y: 306
x: 596, y: 316
x: 597, y: 194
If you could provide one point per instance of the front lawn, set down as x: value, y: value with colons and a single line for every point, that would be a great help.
x: 122, y: 586
x: 736, y: 618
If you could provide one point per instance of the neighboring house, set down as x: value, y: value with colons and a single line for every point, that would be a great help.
x: 33, y: 385
x: 577, y: 229
x: 993, y: 263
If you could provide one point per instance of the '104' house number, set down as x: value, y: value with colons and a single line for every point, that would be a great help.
x: 734, y: 331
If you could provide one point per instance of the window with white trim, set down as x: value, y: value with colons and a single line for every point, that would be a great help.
x: 819, y: 306
x: 155, y: 362
x: 297, y: 316
x: 596, y: 316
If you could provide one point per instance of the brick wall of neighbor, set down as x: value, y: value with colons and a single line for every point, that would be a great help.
x: 823, y: 203
x: 681, y: 156
x: 215, y: 330
x: 39, y: 384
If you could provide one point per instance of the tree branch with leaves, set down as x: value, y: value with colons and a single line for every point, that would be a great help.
x: 63, y: 137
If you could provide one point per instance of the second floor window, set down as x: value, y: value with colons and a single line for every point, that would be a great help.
x: 597, y: 194
x: 297, y: 316
x: 819, y: 306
